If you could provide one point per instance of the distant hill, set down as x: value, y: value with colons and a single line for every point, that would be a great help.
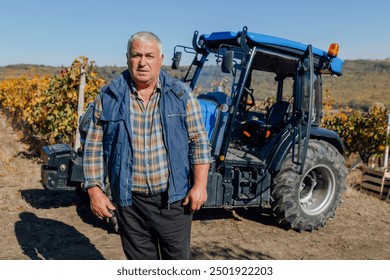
x: 364, y: 83
x: 27, y: 70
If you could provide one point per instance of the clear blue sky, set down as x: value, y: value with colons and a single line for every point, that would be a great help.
x: 53, y: 32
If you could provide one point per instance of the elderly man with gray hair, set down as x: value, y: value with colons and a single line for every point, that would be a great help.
x: 147, y: 130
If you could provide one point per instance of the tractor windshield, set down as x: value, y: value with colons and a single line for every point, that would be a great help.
x: 211, y: 78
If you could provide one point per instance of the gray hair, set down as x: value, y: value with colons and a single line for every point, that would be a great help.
x: 144, y: 36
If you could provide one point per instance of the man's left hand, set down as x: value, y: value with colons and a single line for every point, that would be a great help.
x: 196, y: 197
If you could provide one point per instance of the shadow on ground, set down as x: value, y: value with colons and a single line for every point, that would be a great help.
x: 48, y: 199
x: 47, y: 239
x: 255, y: 214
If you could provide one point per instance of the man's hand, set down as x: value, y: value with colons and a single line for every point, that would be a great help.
x: 197, y: 195
x: 100, y: 204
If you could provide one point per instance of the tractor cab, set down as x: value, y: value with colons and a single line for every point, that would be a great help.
x: 254, y: 87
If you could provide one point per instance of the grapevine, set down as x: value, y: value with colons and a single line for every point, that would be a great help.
x: 49, y: 103
x: 364, y: 134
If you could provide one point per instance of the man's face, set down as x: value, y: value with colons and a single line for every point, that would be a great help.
x: 144, y: 63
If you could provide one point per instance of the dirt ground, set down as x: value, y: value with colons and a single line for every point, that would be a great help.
x: 41, y: 224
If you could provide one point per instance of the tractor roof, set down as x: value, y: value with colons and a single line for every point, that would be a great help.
x: 273, y: 44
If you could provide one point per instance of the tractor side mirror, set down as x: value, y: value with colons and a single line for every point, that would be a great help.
x: 227, y: 61
x: 176, y: 60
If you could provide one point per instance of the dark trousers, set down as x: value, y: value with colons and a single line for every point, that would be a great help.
x: 150, y: 230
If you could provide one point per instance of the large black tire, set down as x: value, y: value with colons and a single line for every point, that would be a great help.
x: 307, y: 201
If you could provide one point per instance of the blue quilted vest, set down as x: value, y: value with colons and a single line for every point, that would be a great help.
x: 117, y: 136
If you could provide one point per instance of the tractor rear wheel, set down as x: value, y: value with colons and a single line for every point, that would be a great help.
x: 306, y: 201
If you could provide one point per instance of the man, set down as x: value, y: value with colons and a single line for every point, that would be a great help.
x: 148, y: 131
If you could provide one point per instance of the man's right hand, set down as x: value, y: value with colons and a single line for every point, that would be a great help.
x: 99, y: 202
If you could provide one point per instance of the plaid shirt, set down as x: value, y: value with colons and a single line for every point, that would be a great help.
x: 150, y: 165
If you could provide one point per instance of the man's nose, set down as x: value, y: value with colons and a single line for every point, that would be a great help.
x: 142, y: 61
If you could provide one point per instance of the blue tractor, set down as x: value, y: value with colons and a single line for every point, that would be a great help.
x: 261, y: 99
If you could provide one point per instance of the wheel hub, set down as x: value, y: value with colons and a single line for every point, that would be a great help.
x: 316, y: 189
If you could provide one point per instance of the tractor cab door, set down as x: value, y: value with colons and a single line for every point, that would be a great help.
x: 303, y: 107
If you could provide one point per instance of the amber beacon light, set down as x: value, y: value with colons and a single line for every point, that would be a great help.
x: 333, y: 50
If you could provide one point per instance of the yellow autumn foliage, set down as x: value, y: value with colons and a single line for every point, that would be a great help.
x: 49, y: 103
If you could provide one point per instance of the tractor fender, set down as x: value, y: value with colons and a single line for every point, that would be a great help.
x: 329, y: 136
x: 280, y: 150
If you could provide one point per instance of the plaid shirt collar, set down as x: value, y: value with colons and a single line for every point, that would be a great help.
x: 133, y: 89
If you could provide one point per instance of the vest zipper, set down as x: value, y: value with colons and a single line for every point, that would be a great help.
x: 167, y: 148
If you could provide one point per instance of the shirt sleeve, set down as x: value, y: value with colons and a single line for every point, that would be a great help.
x: 200, y: 148
x: 93, y: 162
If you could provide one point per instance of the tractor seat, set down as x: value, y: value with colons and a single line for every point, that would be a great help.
x: 258, y: 131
